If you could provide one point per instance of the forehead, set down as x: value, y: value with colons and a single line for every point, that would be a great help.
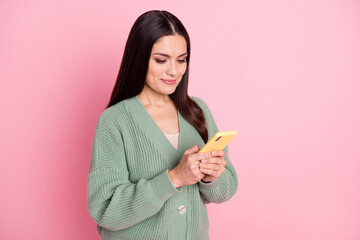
x: 173, y: 45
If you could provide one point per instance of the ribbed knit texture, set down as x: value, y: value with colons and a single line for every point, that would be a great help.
x: 130, y: 195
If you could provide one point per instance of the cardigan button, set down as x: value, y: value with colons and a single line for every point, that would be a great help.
x: 181, y: 209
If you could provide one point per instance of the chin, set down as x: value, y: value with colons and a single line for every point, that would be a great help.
x: 168, y: 90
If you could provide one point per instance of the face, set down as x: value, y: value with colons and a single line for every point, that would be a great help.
x: 167, y: 64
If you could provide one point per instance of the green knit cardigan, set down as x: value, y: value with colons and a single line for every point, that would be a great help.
x: 130, y: 195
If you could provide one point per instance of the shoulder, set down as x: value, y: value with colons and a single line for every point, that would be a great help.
x: 202, y: 104
x: 113, y: 115
x: 210, y: 121
x: 199, y: 101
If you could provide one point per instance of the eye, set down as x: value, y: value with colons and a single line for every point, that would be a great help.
x: 182, y: 60
x: 160, y: 60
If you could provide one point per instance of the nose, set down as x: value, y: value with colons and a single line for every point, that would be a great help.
x: 172, y: 68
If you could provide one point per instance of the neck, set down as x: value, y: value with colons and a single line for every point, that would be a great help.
x: 148, y: 97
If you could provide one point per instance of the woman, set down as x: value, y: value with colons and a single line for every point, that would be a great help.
x: 147, y: 179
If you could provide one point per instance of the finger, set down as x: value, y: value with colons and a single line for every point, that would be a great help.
x: 200, y: 156
x: 211, y: 172
x: 218, y: 153
x: 191, y: 150
x: 215, y: 160
x: 208, y: 178
x: 211, y: 166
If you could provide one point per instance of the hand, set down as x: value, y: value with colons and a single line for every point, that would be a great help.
x: 213, y: 167
x: 187, y: 171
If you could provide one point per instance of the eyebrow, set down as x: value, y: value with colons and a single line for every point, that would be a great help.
x: 165, y: 55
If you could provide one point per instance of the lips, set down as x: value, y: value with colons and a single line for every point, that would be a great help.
x: 169, y: 81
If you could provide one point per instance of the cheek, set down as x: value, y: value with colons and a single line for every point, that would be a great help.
x: 183, y: 69
x: 155, y: 70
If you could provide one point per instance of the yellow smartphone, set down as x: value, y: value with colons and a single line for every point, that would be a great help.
x: 219, y: 141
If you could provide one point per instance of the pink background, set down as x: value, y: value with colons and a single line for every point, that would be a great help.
x: 285, y: 74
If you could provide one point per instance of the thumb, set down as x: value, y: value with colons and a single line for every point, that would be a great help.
x: 193, y: 149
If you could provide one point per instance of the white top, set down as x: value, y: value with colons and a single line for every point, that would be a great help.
x: 173, y: 139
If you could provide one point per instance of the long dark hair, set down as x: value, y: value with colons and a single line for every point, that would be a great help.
x: 130, y: 81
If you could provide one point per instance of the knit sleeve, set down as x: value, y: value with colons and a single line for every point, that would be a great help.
x: 225, y: 186
x: 114, y: 202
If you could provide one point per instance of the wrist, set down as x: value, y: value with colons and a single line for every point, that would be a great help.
x: 174, y: 178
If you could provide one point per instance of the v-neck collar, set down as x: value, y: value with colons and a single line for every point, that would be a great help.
x: 154, y: 133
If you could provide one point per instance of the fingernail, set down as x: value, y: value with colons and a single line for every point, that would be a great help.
x: 203, y: 161
x: 213, y: 153
x: 201, y: 164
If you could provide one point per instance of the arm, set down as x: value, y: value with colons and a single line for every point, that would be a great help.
x: 224, y: 187
x: 113, y: 201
